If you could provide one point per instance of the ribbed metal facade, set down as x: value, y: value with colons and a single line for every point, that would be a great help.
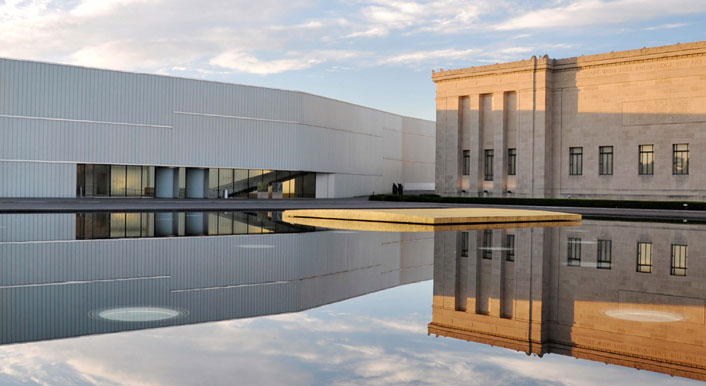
x: 52, y: 289
x: 69, y: 115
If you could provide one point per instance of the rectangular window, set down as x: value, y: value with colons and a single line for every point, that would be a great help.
x: 678, y: 260
x: 511, y: 162
x: 510, y: 245
x: 605, y: 160
x: 488, y: 164
x: 680, y: 158
x: 644, y: 257
x: 487, y: 244
x: 464, y: 244
x: 574, y: 252
x: 647, y: 160
x: 575, y: 161
x: 466, y: 162
x: 605, y: 254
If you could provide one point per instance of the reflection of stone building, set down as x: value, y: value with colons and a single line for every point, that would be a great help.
x: 618, y: 125
x: 578, y: 291
x: 53, y: 286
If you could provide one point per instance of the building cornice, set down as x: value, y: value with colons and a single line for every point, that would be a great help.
x: 671, y: 52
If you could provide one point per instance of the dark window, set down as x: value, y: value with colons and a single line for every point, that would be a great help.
x: 487, y: 244
x: 605, y: 254
x: 574, y: 252
x: 605, y: 160
x: 678, y: 260
x: 680, y: 159
x: 464, y: 244
x: 575, y: 161
x: 647, y: 160
x: 510, y: 245
x: 511, y: 162
x: 488, y: 164
x: 466, y: 162
x: 644, y: 257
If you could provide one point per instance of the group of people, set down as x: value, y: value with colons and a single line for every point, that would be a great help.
x: 397, y: 188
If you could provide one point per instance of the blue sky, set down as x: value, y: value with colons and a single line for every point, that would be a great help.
x: 371, y: 52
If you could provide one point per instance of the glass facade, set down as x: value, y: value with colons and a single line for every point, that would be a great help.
x: 139, y: 181
x: 99, y: 225
x: 114, y: 180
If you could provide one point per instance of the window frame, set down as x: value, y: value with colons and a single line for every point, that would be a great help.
x: 466, y: 166
x: 487, y: 252
x: 680, y: 168
x: 605, y: 160
x: 576, y: 161
x: 573, y: 255
x: 488, y: 155
x: 512, y: 161
x: 679, y: 270
x: 510, y: 245
x: 643, y: 267
x: 604, y: 254
x: 646, y: 168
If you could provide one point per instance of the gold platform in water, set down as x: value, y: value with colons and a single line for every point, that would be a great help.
x: 428, y: 219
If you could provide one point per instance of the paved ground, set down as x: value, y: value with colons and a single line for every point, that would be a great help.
x: 153, y: 204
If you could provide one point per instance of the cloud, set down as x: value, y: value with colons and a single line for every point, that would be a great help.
x: 424, y: 56
x: 248, y: 63
x: 596, y: 12
x: 666, y: 26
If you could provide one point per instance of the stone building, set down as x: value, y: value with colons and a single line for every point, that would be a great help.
x: 621, y: 293
x: 628, y: 124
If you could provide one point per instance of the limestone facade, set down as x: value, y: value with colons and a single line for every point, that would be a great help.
x: 541, y: 301
x: 541, y: 108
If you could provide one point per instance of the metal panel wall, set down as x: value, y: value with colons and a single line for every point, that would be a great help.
x: 37, y: 179
x: 52, y: 112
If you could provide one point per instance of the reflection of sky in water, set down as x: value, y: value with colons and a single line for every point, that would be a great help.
x: 378, y: 338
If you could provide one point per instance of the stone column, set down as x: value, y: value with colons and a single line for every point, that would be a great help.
x: 448, y: 151
x: 500, y: 144
x: 472, y: 119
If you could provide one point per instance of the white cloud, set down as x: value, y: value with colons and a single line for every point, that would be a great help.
x: 248, y: 63
x: 424, y: 56
x: 595, y: 12
x: 666, y: 26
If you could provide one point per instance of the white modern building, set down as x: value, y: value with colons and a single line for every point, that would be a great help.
x: 68, y: 131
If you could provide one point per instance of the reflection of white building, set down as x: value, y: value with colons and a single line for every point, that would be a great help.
x: 63, y: 288
x: 69, y: 131
x: 615, y: 292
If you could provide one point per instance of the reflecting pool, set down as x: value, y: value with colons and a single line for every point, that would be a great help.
x: 293, y: 304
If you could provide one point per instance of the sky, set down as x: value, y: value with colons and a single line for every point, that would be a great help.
x: 375, y: 53
x: 376, y: 339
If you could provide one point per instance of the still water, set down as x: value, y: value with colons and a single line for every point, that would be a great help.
x: 245, y: 298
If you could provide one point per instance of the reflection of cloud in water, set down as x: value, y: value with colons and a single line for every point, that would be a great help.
x: 320, y: 346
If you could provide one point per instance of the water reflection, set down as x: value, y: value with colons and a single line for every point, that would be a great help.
x: 580, y: 291
x: 106, y: 225
x: 59, y: 289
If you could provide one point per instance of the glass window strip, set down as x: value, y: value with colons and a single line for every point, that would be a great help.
x: 679, y: 254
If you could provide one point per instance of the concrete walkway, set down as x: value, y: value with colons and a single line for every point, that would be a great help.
x: 48, y: 205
